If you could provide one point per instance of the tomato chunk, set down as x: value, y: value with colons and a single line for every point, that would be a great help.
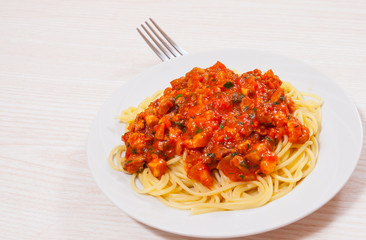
x: 268, y: 163
x: 297, y: 133
x: 201, y: 173
x: 158, y: 167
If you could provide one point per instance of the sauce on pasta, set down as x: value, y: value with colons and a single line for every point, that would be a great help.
x: 217, y: 120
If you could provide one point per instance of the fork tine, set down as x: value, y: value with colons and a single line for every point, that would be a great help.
x: 160, y: 55
x: 161, y: 40
x: 180, y: 50
x: 156, y: 42
x: 168, y: 48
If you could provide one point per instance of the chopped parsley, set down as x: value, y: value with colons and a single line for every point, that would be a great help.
x: 268, y: 139
x: 244, y: 164
x: 297, y: 125
x: 198, y: 130
x: 211, y: 155
x: 222, y: 126
x: 228, y: 85
x: 237, y: 98
x: 179, y: 124
x: 134, y: 151
x: 241, y: 176
x: 275, y: 103
x: 234, y: 154
x: 178, y: 96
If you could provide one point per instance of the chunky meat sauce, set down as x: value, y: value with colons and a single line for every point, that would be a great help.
x: 220, y: 120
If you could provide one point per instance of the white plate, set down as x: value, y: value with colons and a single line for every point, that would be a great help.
x: 340, y: 148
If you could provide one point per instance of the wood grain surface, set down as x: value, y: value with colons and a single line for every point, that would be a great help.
x: 61, y: 60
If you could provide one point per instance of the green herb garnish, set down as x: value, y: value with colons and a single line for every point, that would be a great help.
x: 179, y: 124
x: 228, y: 85
x: 198, y: 130
x: 211, y: 155
x: 243, y: 164
x: 178, y: 95
x: 268, y: 139
x: 237, y: 99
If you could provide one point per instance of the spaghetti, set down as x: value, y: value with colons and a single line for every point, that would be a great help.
x: 237, y: 169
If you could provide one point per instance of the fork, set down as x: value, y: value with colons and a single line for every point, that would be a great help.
x: 167, y: 51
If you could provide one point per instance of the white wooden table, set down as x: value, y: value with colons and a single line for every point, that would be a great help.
x: 60, y: 60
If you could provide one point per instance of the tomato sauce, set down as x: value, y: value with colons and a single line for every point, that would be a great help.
x: 220, y: 119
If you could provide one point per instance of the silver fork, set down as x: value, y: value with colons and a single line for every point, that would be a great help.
x: 166, y: 51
